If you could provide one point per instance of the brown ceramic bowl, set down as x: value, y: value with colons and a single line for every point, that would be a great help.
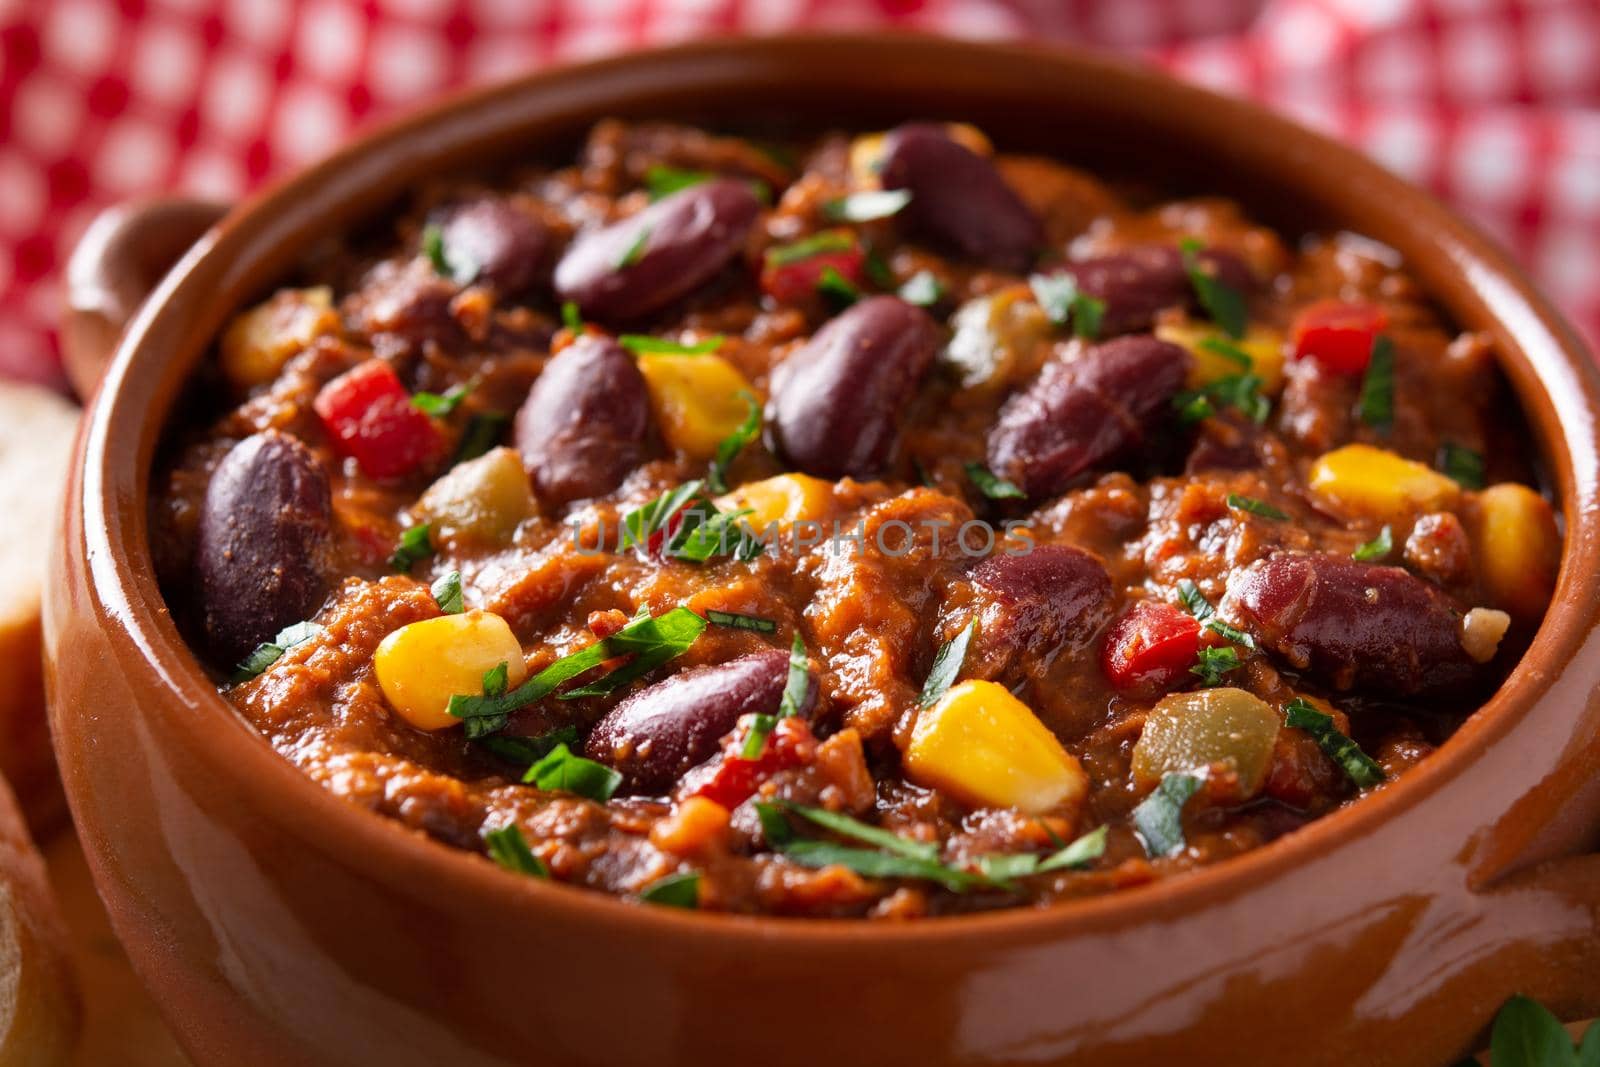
x: 278, y: 924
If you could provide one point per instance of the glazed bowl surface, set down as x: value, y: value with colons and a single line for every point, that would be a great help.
x: 278, y: 924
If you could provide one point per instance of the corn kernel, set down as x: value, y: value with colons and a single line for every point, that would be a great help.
x: 1262, y: 344
x: 786, y: 499
x: 866, y: 151
x: 698, y: 400
x: 422, y: 665
x: 482, y: 499
x: 258, y: 342
x: 1519, y: 548
x: 987, y: 748
x: 1190, y: 731
x: 1362, y: 481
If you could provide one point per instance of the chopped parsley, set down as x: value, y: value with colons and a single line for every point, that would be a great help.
x: 1194, y: 601
x: 692, y: 528
x: 1158, y: 820
x: 414, y: 547
x: 662, y: 180
x: 879, y: 273
x: 1462, y: 464
x: 674, y: 891
x: 837, y: 288
x: 1062, y: 301
x: 433, y: 247
x: 526, y: 751
x: 992, y: 485
x: 1228, y: 351
x: 1232, y: 633
x: 269, y: 652
x: 730, y: 446
x: 507, y: 847
x: 1377, y: 548
x: 756, y: 741
x: 922, y: 289
x: 441, y: 405
x: 447, y: 593
x: 482, y: 433
x: 1356, y: 764
x: 815, y: 245
x: 1221, y: 301
x: 947, y: 665
x: 1376, y: 406
x: 735, y: 621
x: 650, y: 641
x: 867, y: 206
x: 640, y: 344
x: 1255, y: 507
x: 635, y: 251
x: 572, y: 318
x: 1241, y: 392
x: 563, y: 771
x: 1213, y: 663
x: 795, y: 688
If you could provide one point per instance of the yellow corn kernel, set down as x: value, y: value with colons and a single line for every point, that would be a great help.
x: 1262, y: 344
x: 785, y: 499
x: 260, y: 341
x: 698, y: 400
x: 482, y: 499
x: 422, y: 665
x: 1190, y: 731
x: 987, y: 748
x: 866, y: 151
x: 1519, y: 549
x: 1362, y: 481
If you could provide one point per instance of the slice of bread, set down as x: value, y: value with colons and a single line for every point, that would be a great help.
x: 37, y: 428
x: 38, y: 1001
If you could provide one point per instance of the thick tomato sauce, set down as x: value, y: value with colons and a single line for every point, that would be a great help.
x: 1385, y: 594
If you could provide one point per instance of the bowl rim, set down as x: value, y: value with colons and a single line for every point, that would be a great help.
x: 115, y: 485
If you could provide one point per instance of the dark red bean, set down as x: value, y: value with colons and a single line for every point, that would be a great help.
x: 262, y: 536
x: 586, y: 422
x: 645, y: 262
x: 959, y: 199
x: 1054, y: 598
x: 1082, y: 412
x: 1138, y: 282
x: 408, y: 304
x: 1353, y: 624
x: 490, y: 241
x: 837, y: 402
x: 657, y: 734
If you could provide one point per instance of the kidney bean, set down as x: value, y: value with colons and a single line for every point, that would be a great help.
x: 1353, y: 624
x: 958, y: 198
x: 489, y: 240
x: 409, y: 304
x: 586, y: 422
x: 263, y: 530
x: 645, y: 262
x: 1053, y: 597
x: 836, y: 403
x: 657, y: 734
x: 1138, y: 282
x: 1081, y: 412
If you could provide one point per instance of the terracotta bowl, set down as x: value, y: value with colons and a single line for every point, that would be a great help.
x: 278, y: 924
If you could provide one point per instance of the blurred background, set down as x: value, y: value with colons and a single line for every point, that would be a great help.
x: 1492, y: 104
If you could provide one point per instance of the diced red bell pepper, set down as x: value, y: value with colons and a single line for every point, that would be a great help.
x: 733, y: 779
x: 369, y: 415
x: 1151, y: 647
x: 796, y: 282
x: 1337, y: 335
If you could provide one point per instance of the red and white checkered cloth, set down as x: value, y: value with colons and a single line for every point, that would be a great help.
x: 1493, y: 104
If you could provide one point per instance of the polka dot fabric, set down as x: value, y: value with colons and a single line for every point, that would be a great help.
x: 1493, y: 104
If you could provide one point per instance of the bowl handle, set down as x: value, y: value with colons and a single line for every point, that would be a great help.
x: 118, y: 262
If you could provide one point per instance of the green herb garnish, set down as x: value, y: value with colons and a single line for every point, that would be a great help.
x: 1255, y: 507
x: 1228, y: 351
x: 1239, y: 391
x: 1462, y: 464
x: 756, y: 740
x: 447, y: 593
x: 947, y: 665
x: 433, y: 248
x: 836, y: 287
x: 1005, y: 867
x: 269, y: 652
x: 674, y: 891
x: 563, y: 771
x: 482, y: 433
x: 572, y: 318
x: 867, y: 206
x: 635, y: 251
x: 730, y: 446
x: 899, y: 858
x: 414, y: 547
x: 815, y: 245
x: 735, y: 621
x: 662, y: 180
x: 1213, y: 663
x: 879, y: 274
x: 441, y: 405
x: 1232, y: 633
x: 526, y: 751
x: 1376, y: 405
x: 922, y: 289
x: 992, y: 485
x: 1194, y: 601
x: 701, y: 533
x: 1357, y: 765
x: 1221, y: 301
x: 798, y: 683
x: 639, y: 344
x: 1158, y: 820
x: 1377, y: 548
x: 1062, y: 301
x: 507, y: 847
